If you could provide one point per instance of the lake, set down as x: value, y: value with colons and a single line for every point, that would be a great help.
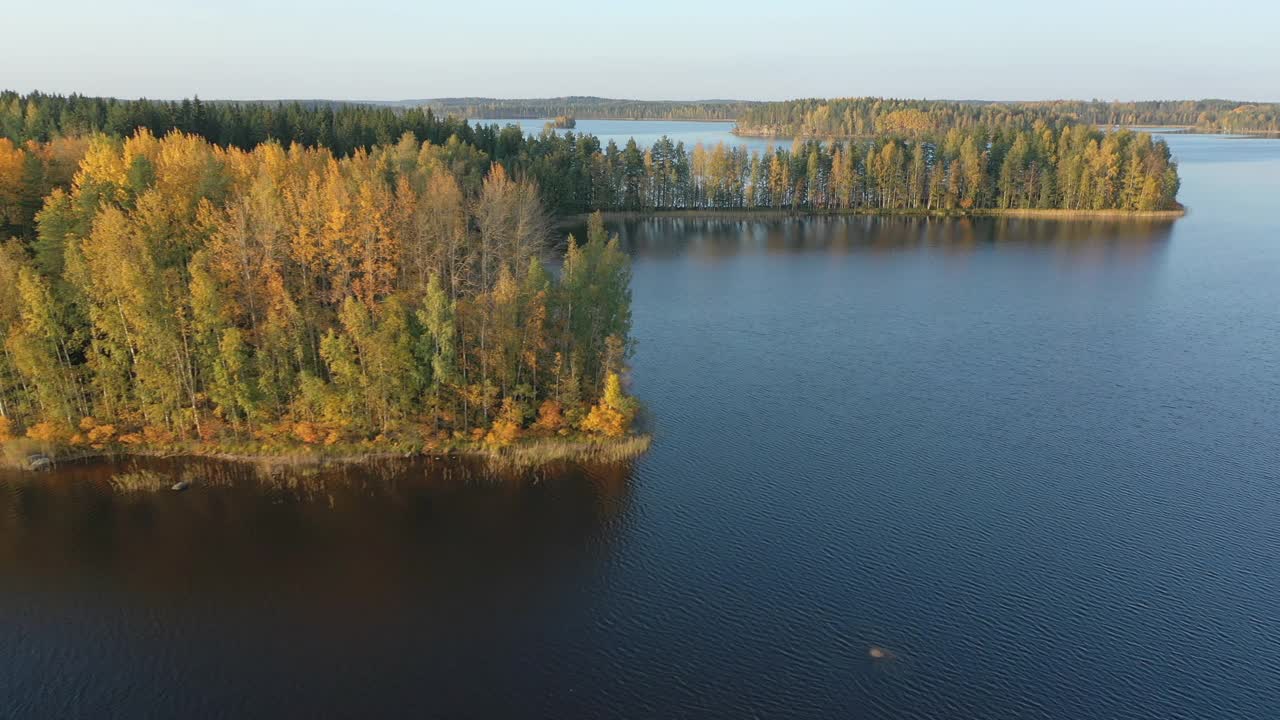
x: 1036, y: 462
x: 646, y: 132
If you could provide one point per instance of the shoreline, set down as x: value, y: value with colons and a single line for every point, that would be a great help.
x: 955, y: 214
x: 528, y: 454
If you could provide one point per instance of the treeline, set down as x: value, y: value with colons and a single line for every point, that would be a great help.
x: 870, y: 117
x: 586, y: 107
x: 181, y: 291
x: 1225, y: 116
x: 1076, y: 168
x: 342, y: 128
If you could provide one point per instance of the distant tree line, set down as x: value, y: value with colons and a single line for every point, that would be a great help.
x: 341, y: 127
x: 1076, y: 168
x: 587, y: 107
x: 870, y: 117
x: 1225, y: 116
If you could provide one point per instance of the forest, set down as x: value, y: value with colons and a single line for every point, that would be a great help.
x: 585, y: 107
x: 980, y: 169
x: 177, y: 292
x: 986, y: 159
x: 868, y: 117
x: 340, y: 127
x: 1213, y: 116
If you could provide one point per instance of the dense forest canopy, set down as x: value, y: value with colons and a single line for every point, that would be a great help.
x: 868, y: 117
x: 178, y: 290
x: 340, y: 127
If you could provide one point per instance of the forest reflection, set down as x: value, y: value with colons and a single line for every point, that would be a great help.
x: 712, y: 238
x: 245, y: 526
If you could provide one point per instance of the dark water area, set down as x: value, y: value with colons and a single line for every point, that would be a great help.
x: 1035, y: 461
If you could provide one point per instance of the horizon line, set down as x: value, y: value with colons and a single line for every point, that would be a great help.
x: 476, y: 98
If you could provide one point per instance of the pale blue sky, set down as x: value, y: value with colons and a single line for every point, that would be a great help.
x: 654, y: 49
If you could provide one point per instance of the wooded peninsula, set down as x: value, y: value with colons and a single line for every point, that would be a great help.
x: 258, y: 278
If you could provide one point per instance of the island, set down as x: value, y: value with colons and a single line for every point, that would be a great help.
x: 563, y: 122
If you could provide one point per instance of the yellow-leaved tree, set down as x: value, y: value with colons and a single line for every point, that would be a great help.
x: 611, y: 416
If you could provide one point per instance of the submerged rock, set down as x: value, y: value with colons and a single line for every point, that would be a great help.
x: 39, y: 461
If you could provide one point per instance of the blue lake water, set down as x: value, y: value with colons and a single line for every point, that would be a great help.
x: 1037, y: 462
x: 646, y: 132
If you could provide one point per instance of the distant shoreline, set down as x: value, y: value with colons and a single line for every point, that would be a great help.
x: 773, y: 133
x: 781, y: 213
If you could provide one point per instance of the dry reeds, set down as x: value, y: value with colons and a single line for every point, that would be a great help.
x: 542, y: 452
x: 139, y: 481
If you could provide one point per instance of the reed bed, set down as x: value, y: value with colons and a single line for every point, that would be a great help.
x: 542, y: 452
x: 140, y: 481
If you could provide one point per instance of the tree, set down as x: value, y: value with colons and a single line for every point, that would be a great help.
x: 37, y: 346
x: 436, y: 351
x: 612, y: 415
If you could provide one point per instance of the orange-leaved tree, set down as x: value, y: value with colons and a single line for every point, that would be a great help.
x: 611, y: 416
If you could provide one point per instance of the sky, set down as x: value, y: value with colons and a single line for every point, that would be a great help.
x: 648, y: 49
